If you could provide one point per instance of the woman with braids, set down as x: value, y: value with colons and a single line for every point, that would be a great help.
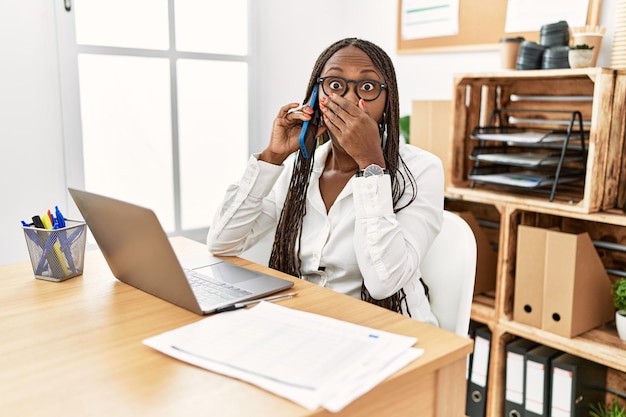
x: 358, y: 214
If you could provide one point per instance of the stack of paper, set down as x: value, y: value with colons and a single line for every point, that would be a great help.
x: 312, y: 360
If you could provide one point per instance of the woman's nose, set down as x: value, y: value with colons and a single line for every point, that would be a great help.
x: 351, y: 94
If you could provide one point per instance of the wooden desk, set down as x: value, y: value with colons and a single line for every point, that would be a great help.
x: 75, y: 348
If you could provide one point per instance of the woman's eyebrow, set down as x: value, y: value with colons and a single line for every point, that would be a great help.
x: 367, y: 70
x: 335, y: 69
x: 363, y: 71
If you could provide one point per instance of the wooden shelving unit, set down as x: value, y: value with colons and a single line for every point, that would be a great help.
x: 597, y: 93
x: 596, y: 206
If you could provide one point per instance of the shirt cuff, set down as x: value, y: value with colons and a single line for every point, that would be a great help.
x: 372, y: 196
x: 260, y: 176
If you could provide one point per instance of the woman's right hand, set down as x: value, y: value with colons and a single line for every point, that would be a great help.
x: 286, y: 133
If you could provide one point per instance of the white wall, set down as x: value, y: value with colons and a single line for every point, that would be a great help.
x: 291, y: 35
x: 31, y: 146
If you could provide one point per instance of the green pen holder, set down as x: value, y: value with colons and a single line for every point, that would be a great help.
x: 57, y: 254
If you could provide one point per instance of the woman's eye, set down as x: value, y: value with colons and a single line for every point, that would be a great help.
x: 367, y: 86
x: 336, y: 85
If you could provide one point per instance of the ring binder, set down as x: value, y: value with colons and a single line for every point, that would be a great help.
x: 538, y: 378
x: 479, y: 371
x: 516, y: 376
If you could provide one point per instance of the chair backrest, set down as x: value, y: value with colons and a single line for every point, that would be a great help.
x: 449, y: 270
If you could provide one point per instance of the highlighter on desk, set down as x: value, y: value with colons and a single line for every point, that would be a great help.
x: 66, y: 242
x: 48, y: 224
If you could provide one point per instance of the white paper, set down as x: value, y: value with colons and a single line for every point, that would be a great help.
x: 530, y: 15
x: 429, y: 18
x: 529, y: 159
x: 310, y: 359
x: 523, y: 137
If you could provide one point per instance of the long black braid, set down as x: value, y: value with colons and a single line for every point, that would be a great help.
x: 286, y: 249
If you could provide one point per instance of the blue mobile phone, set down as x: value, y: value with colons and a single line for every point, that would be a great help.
x: 305, y: 125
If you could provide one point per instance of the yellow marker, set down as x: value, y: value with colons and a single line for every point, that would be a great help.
x: 47, y: 223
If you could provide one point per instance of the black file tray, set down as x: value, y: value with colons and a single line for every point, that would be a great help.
x: 530, y: 158
x: 528, y: 137
x: 528, y: 179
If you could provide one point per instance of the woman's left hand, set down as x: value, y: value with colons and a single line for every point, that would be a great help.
x: 353, y: 129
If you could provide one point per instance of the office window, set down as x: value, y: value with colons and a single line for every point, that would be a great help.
x: 127, y: 140
x: 213, y: 134
x: 122, y: 23
x: 212, y: 27
x: 163, y: 99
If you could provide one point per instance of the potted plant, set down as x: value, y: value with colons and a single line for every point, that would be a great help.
x: 405, y: 128
x: 601, y: 410
x: 618, y: 291
x: 580, y: 56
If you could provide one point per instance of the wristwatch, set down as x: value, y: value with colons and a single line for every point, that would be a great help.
x: 371, y: 171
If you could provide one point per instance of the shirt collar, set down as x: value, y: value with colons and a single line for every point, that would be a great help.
x: 321, y: 153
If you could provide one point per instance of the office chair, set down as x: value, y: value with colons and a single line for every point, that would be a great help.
x: 449, y: 271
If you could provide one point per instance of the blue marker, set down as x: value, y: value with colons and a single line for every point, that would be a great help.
x: 60, y: 220
x: 66, y: 242
x: 305, y: 125
x: 32, y: 234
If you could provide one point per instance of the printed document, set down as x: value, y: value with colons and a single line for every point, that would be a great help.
x: 310, y: 359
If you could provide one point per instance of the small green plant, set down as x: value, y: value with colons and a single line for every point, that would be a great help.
x: 602, y: 410
x: 618, y: 291
x: 405, y: 125
x: 581, y: 46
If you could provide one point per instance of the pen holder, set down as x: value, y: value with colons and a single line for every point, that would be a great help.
x: 57, y: 254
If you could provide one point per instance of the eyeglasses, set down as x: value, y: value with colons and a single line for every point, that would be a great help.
x: 366, y: 89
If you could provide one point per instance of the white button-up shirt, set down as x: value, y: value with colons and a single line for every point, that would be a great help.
x: 359, y: 238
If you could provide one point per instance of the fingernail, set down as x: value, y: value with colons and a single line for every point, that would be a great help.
x: 362, y: 102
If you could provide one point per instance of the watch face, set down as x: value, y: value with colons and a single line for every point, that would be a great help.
x: 373, y: 170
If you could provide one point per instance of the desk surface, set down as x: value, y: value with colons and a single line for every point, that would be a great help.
x: 75, y: 348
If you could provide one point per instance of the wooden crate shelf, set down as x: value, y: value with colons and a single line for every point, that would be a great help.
x: 483, y: 310
x: 599, y: 345
x: 597, y: 207
x: 599, y: 232
x: 590, y: 91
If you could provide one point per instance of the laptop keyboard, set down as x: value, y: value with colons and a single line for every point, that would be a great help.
x: 210, y: 292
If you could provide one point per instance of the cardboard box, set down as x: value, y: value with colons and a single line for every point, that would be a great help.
x: 487, y: 257
x: 577, y: 289
x: 431, y: 130
x: 561, y: 284
x: 529, y: 274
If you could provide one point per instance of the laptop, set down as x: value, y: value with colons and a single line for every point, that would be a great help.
x: 139, y: 253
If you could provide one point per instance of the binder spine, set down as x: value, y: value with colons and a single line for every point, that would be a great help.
x: 516, y: 376
x: 479, y: 371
